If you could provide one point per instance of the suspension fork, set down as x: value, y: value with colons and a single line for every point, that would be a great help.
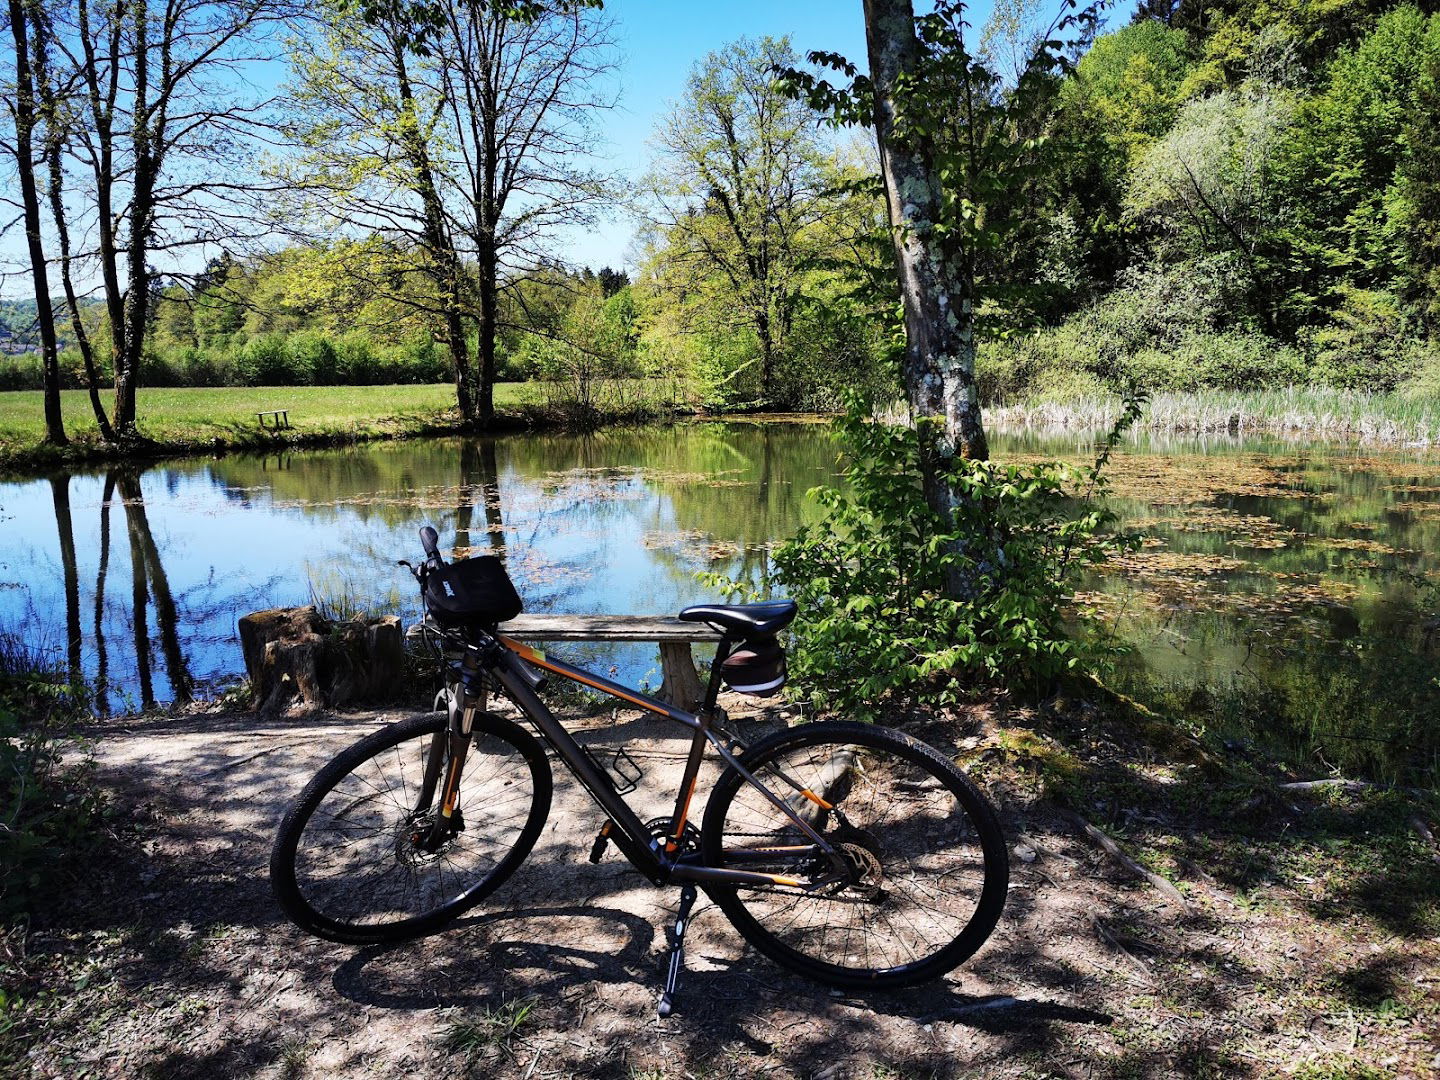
x: 447, y: 752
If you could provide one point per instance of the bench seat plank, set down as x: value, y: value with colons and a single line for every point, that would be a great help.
x: 606, y: 628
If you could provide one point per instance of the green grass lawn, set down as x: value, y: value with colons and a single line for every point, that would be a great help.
x: 188, y: 414
x: 187, y: 418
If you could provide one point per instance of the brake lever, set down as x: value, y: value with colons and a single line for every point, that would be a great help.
x: 413, y: 572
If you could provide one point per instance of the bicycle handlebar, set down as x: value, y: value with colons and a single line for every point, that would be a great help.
x: 430, y: 541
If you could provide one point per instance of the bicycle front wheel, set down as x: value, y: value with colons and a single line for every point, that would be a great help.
x: 357, y: 858
x: 923, y: 872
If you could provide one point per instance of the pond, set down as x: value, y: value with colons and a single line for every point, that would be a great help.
x: 1280, y: 598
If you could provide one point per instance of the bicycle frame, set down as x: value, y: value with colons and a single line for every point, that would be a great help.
x: 662, y: 860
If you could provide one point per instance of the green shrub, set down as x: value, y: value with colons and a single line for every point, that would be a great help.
x: 876, y: 577
x: 49, y: 809
x: 265, y: 361
x: 1424, y: 382
x: 1370, y: 344
x: 23, y: 372
x: 313, y: 355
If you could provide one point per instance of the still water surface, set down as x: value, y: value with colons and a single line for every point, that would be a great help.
x: 1270, y: 568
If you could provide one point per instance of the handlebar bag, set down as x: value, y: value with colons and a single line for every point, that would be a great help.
x: 471, y: 591
x: 757, y: 667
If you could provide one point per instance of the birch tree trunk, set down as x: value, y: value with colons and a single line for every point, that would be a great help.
x: 938, y: 295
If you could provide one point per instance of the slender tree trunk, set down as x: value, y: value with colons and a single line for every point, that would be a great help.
x: 436, y: 234
x: 101, y: 98
x: 54, y: 148
x: 459, y: 357
x: 767, y: 356
x: 25, y: 112
x: 142, y: 208
x: 489, y: 318
x: 939, y: 365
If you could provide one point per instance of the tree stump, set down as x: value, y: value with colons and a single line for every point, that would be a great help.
x: 298, y: 653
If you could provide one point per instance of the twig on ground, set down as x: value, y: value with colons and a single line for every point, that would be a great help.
x: 1107, y: 936
x: 1166, y: 888
x: 1331, y: 782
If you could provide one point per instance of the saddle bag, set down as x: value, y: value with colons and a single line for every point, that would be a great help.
x: 471, y: 592
x: 756, y: 667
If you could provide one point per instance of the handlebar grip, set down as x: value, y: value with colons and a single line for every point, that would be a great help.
x: 430, y: 541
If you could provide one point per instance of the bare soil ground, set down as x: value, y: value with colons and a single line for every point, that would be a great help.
x: 1306, y: 943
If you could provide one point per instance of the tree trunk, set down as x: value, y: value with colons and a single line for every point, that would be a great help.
x: 25, y: 121
x: 767, y: 356
x: 54, y: 149
x: 102, y: 114
x: 939, y: 365
x: 142, y: 208
x: 489, y: 315
x: 459, y: 356
x: 435, y: 232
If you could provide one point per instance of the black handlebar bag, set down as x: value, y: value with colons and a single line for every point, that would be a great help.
x: 472, y: 592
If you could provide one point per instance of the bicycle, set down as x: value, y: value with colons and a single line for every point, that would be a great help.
x: 847, y: 852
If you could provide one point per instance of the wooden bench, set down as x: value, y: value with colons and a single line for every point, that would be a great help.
x: 280, y: 418
x: 680, y: 685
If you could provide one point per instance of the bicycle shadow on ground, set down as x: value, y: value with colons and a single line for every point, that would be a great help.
x: 494, y: 956
x: 482, y: 956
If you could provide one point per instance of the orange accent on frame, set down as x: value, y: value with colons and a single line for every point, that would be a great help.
x: 684, y: 813
x: 531, y: 656
x: 816, y: 799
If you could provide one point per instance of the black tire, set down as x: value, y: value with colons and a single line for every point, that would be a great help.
x: 930, y: 869
x: 344, y: 865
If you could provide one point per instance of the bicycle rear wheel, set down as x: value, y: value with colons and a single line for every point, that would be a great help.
x: 926, y: 869
x: 353, y: 859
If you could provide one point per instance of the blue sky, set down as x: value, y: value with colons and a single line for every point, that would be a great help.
x: 661, y: 40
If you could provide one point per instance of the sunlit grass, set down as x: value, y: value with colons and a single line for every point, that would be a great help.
x: 199, y: 413
x: 201, y: 419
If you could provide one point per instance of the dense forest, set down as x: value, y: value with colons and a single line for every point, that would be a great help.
x: 1235, y: 195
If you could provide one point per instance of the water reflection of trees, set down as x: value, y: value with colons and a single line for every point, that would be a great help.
x: 147, y: 567
x: 149, y: 587
x: 60, y: 495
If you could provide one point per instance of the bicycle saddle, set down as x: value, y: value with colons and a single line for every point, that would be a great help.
x: 748, y: 620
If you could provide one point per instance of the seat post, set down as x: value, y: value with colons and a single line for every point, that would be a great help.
x: 712, y: 689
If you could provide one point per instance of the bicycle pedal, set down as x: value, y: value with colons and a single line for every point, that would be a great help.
x: 602, y: 841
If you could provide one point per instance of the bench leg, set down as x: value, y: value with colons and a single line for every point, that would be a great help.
x: 680, y: 685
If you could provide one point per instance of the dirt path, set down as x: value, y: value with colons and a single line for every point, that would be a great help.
x: 193, y: 972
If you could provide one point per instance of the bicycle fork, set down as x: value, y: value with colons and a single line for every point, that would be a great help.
x: 448, y: 751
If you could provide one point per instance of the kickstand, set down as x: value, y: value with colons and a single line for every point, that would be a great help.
x: 677, y: 952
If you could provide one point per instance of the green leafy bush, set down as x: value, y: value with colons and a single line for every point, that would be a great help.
x: 1370, y: 343
x: 49, y: 810
x: 883, y: 619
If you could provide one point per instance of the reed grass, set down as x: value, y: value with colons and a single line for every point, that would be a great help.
x: 1299, y: 411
